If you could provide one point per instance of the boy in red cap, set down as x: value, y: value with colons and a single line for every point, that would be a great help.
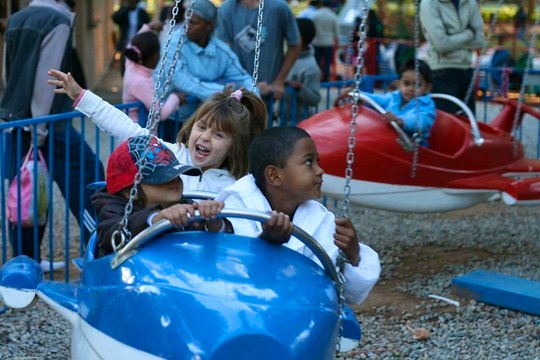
x: 159, y: 194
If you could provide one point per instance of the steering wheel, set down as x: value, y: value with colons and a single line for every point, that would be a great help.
x: 165, y: 226
x: 478, y: 140
x: 345, y: 96
x: 403, y: 138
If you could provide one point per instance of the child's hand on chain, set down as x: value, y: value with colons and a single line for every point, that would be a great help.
x: 346, y: 240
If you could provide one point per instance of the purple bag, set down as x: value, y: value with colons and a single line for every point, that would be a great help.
x: 27, y: 192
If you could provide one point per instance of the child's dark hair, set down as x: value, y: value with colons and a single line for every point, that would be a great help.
x: 307, y: 30
x: 273, y: 146
x: 143, y: 46
x: 423, y: 69
x: 140, y: 200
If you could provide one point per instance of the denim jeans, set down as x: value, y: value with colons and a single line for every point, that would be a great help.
x: 324, y: 57
x: 67, y: 145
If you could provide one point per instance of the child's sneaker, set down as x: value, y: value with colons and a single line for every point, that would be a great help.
x: 46, y: 265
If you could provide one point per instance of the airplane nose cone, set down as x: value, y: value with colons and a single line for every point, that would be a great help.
x: 19, y: 279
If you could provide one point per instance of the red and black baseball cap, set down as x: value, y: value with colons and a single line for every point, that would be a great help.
x: 160, y: 167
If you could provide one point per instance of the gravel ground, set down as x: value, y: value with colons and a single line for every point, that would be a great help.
x: 420, y: 255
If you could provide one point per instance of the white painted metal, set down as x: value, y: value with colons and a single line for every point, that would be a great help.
x: 405, y: 198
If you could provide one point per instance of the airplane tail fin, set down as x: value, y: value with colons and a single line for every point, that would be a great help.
x: 505, y: 119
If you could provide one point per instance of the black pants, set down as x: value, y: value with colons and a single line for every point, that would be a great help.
x: 453, y: 82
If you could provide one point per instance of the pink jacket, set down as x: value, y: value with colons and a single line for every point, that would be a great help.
x: 139, y: 86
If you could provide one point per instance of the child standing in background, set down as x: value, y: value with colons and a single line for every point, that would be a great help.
x: 304, y: 77
x: 142, y: 56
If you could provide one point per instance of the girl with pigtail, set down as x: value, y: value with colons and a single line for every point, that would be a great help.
x: 216, y: 137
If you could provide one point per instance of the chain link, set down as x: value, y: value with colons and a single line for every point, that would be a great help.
x: 341, y: 299
x: 122, y: 236
x: 257, y: 46
x: 417, y: 136
x: 349, y: 50
x: 483, y: 51
x: 351, y: 143
x: 530, y: 55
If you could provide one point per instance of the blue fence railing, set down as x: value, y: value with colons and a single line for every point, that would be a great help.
x: 64, y: 237
x: 75, y: 151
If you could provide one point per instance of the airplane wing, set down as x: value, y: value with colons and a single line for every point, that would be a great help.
x: 521, y: 191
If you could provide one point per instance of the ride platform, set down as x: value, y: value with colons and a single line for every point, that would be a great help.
x: 499, y: 289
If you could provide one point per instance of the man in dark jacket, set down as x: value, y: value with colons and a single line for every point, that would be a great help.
x: 129, y: 18
x: 38, y: 38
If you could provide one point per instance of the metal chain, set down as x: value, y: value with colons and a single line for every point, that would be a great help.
x: 160, y: 92
x: 531, y: 49
x: 341, y: 303
x: 351, y: 141
x: 257, y: 45
x: 483, y: 51
x: 505, y: 80
x: 418, y: 136
x: 341, y: 258
x: 350, y: 45
x: 122, y: 236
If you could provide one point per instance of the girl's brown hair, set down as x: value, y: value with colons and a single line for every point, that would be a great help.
x: 241, y: 119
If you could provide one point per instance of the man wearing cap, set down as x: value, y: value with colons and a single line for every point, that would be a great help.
x: 159, y: 192
x: 206, y: 64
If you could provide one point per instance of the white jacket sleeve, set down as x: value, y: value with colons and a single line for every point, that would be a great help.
x: 320, y: 224
x: 108, y: 118
x: 359, y: 280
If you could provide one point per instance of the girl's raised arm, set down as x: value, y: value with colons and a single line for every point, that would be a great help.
x: 65, y: 84
x: 108, y: 118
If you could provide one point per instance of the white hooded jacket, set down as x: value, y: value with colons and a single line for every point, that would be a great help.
x: 318, y: 222
x: 116, y: 123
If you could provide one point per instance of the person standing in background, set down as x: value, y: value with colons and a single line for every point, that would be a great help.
x: 453, y: 29
x: 129, y: 18
x: 39, y: 38
x: 309, y: 11
x: 165, y: 18
x: 142, y: 56
x: 374, y: 32
x: 520, y: 24
x: 237, y: 26
x: 206, y: 65
x: 326, y: 37
x: 304, y: 77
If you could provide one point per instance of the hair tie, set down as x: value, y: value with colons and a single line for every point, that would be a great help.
x: 137, y: 51
x: 237, y: 95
